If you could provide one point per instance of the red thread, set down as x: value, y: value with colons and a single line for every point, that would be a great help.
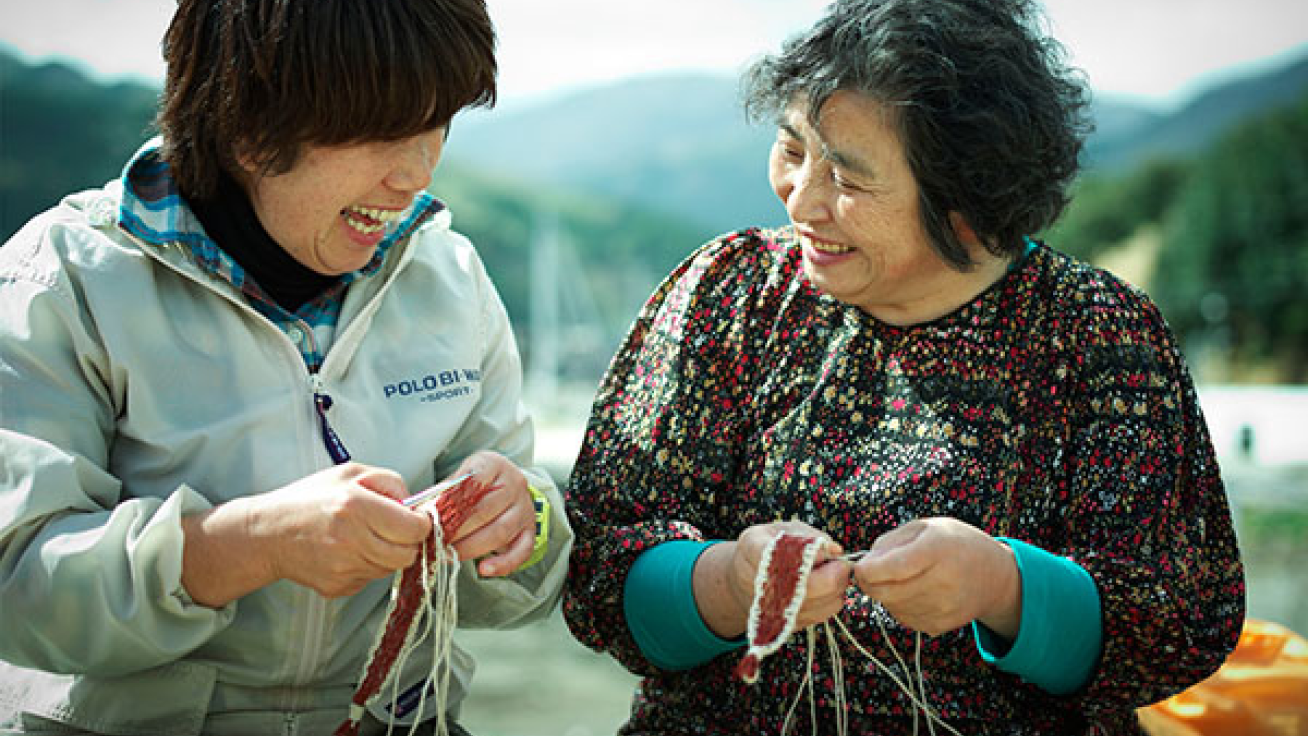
x: 778, y: 593
x: 450, y: 509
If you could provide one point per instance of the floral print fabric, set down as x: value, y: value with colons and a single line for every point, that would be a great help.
x: 1055, y: 408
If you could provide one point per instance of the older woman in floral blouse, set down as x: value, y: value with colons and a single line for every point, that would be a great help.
x: 1012, y: 435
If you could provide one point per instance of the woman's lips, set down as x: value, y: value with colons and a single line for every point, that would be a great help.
x: 823, y: 252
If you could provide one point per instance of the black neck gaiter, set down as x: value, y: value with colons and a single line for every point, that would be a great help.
x: 229, y: 218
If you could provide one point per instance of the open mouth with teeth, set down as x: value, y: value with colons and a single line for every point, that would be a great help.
x: 832, y: 249
x: 370, y: 220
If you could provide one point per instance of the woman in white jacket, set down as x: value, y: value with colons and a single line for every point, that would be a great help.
x: 219, y: 374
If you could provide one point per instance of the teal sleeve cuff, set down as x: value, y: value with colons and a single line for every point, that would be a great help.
x: 1061, y: 634
x: 658, y: 601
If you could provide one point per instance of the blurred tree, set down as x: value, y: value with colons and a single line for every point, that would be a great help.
x: 615, y: 253
x: 1108, y: 208
x: 61, y: 132
x: 1234, y: 261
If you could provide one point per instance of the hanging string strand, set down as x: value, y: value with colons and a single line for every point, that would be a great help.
x: 907, y: 689
x: 838, y: 681
x: 799, y: 695
x: 423, y: 603
x: 779, y: 586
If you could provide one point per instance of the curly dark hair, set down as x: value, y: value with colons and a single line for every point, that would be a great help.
x: 991, y: 117
x: 267, y: 77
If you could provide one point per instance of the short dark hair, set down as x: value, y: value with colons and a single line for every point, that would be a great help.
x: 991, y: 118
x: 271, y: 76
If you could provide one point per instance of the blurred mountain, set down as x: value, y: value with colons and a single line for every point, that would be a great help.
x: 61, y: 132
x: 672, y: 144
x: 680, y: 144
x: 1129, y: 135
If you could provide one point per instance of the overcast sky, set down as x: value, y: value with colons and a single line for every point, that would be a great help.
x: 1155, y: 50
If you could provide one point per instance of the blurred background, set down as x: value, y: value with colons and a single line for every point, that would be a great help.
x: 619, y: 146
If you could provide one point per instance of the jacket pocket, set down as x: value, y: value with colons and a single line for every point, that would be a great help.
x: 171, y: 700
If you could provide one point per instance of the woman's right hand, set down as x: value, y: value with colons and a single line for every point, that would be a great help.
x: 339, y: 529
x: 334, y: 531
x: 725, y: 574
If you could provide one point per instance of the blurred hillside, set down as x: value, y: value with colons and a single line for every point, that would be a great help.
x: 1129, y: 135
x: 61, y: 132
x: 1219, y: 238
x: 1204, y: 206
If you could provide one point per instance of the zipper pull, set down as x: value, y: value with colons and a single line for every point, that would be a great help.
x: 321, y: 403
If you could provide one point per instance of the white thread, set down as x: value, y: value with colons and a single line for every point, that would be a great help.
x: 436, y: 616
x: 918, y: 697
x: 926, y: 708
x: 440, y: 590
x: 762, y: 649
x: 838, y: 676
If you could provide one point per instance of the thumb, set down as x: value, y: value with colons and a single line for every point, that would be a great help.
x: 891, y: 559
x: 384, y: 482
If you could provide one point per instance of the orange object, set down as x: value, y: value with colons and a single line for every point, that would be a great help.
x: 1261, y: 690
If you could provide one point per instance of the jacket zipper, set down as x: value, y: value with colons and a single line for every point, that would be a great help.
x: 321, y: 403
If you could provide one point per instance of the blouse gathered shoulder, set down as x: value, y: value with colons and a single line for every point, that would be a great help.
x: 1055, y: 408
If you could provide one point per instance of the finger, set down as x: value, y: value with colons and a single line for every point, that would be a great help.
x: 902, y: 594
x: 486, y: 467
x: 498, y: 534
x: 820, y: 603
x: 830, y: 577
x: 894, y: 566
x: 901, y: 536
x: 397, y: 524
x: 497, y: 502
x: 384, y: 557
x: 501, y: 564
x: 894, y: 556
x: 830, y: 549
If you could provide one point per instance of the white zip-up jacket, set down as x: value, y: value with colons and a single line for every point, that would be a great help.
x: 136, y: 387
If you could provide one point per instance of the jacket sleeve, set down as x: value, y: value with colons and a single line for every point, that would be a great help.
x: 90, y: 577
x: 500, y: 422
x: 1148, y: 516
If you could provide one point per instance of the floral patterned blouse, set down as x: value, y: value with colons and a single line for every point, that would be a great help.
x: 1055, y: 408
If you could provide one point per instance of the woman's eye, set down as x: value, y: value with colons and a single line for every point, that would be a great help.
x: 843, y: 183
x: 791, y: 152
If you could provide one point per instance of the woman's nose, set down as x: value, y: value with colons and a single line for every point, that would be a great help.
x: 804, y: 195
x: 415, y: 161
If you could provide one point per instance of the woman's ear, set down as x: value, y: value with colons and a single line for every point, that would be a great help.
x: 246, y: 159
x: 962, y: 230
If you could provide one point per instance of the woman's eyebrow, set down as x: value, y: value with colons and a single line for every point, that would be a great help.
x: 850, y: 163
x: 847, y: 162
x: 790, y: 130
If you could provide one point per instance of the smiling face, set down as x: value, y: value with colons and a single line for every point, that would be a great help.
x: 332, y: 208
x: 852, y: 197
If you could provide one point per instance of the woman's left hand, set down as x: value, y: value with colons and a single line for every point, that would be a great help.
x: 936, y: 575
x: 502, y: 527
